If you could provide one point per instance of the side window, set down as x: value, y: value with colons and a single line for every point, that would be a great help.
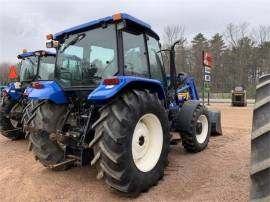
x: 135, y: 62
x: 155, y: 59
x: 46, y: 68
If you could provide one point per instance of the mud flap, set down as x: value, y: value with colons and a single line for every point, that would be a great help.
x: 215, y: 120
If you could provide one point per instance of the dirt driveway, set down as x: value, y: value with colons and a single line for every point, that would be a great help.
x: 220, y: 173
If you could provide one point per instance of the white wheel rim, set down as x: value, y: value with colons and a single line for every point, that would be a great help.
x: 147, y: 142
x: 201, y: 137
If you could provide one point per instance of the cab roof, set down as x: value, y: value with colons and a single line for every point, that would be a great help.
x: 109, y: 19
x: 32, y: 53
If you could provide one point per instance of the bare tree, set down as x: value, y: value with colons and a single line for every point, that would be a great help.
x: 233, y: 33
x: 261, y: 34
x: 173, y: 33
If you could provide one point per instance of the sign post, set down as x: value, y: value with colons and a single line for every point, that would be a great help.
x: 207, y: 61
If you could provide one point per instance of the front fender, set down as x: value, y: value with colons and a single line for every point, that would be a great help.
x: 50, y: 91
x: 185, y: 115
x: 103, y: 93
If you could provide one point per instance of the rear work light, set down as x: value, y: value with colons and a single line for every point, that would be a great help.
x: 117, y: 17
x: 37, y: 85
x: 111, y: 81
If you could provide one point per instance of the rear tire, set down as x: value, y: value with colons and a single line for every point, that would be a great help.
x: 48, y: 118
x: 6, y: 127
x: 128, y: 130
x: 260, y: 143
x: 193, y: 140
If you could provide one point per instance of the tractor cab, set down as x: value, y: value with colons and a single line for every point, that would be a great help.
x: 118, y: 45
x: 38, y: 65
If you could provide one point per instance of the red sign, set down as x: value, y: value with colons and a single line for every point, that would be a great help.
x: 207, y: 59
x: 12, y: 72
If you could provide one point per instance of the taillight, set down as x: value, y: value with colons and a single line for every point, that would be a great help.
x: 37, y: 85
x: 4, y: 93
x: 111, y: 81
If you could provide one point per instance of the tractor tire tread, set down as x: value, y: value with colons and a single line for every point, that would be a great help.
x: 5, y: 124
x: 47, y: 151
x: 260, y: 142
x: 110, y: 149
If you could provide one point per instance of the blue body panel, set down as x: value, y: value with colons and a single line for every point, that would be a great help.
x: 50, y: 91
x: 15, y: 94
x: 190, y: 87
x: 104, y: 93
x: 109, y: 19
x: 32, y: 53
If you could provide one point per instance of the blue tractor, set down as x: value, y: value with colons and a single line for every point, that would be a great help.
x: 112, y: 105
x: 33, y: 66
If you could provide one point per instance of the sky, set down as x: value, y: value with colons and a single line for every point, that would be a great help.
x: 25, y: 23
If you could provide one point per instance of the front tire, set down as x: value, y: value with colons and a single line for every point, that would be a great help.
x: 131, y: 142
x: 7, y: 128
x: 197, y: 137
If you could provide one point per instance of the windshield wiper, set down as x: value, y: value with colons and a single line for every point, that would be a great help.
x: 31, y: 61
x: 73, y: 41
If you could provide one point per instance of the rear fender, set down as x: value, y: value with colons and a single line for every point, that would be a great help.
x: 14, y: 90
x: 50, y: 91
x: 103, y: 93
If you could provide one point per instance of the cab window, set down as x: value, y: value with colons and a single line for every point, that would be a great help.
x: 135, y: 62
x: 155, y: 58
x: 46, y: 68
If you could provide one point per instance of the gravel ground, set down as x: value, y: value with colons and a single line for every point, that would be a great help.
x: 220, y: 173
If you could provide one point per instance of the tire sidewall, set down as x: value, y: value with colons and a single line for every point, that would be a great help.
x: 201, y: 111
x: 160, y: 113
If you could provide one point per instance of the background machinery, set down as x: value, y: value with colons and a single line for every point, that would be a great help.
x: 239, y: 96
x: 112, y: 105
